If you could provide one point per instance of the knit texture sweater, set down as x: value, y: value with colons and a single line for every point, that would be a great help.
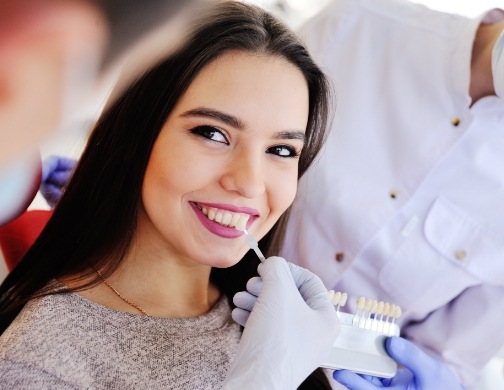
x: 64, y: 341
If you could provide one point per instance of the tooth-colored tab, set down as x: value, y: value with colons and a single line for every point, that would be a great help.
x: 344, y: 297
x: 242, y: 222
x: 386, y: 309
x: 235, y: 219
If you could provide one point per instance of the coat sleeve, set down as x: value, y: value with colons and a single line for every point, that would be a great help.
x: 466, y: 333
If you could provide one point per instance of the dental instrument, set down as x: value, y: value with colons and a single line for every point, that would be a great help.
x: 360, y: 346
x: 251, y: 241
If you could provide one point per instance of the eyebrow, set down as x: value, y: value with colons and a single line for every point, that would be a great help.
x: 203, y: 112
x: 294, y: 134
x: 230, y: 120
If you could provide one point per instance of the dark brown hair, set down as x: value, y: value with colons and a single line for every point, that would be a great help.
x: 95, y: 221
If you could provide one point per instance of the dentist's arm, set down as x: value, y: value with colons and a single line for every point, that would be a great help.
x: 290, y: 325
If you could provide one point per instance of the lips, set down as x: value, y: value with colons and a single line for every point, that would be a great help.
x: 222, y: 221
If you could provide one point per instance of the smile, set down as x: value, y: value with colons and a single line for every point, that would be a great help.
x: 222, y: 222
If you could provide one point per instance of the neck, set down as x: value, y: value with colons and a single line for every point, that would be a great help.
x: 158, y: 281
x: 163, y: 287
x: 481, y: 62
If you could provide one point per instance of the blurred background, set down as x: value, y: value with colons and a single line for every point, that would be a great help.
x: 294, y: 12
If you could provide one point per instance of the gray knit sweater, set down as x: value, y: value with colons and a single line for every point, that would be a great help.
x: 64, y: 341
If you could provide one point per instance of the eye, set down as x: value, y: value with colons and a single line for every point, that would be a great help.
x: 284, y: 151
x: 211, y: 133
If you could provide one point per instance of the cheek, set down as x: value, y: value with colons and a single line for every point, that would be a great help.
x: 282, y: 192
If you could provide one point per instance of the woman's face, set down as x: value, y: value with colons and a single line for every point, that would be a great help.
x: 230, y: 147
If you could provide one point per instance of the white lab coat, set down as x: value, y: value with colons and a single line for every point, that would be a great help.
x: 406, y: 202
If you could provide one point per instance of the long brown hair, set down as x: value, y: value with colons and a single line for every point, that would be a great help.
x: 95, y: 221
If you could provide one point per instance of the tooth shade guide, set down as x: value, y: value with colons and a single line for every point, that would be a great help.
x: 241, y: 223
x: 360, y: 346
x: 371, y: 314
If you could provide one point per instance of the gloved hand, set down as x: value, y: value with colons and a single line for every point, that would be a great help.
x: 290, y: 325
x: 56, y: 172
x: 420, y: 371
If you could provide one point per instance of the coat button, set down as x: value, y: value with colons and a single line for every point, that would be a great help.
x: 455, y: 121
x: 460, y: 254
x: 340, y: 256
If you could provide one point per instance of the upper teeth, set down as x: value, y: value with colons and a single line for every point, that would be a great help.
x: 225, y: 217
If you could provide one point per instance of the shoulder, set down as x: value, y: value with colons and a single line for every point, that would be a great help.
x: 38, y: 326
x: 345, y: 20
x: 43, y: 328
x: 56, y: 326
x: 17, y: 375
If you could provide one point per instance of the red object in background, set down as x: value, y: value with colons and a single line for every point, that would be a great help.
x: 18, y: 235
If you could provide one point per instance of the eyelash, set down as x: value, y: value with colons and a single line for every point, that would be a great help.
x: 204, y: 131
x: 207, y: 132
x: 293, y: 153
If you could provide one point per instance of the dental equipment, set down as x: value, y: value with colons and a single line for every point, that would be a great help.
x: 360, y: 346
x: 251, y: 241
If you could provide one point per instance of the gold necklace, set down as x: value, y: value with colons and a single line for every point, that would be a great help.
x: 120, y: 295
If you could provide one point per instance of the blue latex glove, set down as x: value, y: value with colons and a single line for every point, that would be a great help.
x: 420, y: 371
x: 56, y: 172
x: 290, y: 325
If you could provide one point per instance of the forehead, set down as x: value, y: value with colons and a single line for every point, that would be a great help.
x: 252, y: 87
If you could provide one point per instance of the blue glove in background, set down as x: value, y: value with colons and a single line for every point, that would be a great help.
x: 420, y: 371
x: 56, y: 172
x: 290, y: 326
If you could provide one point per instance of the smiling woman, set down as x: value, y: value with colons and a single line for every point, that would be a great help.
x: 137, y: 267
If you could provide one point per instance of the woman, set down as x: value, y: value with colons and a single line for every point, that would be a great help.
x: 134, y: 273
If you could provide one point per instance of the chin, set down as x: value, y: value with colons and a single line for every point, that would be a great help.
x: 226, y: 260
x: 224, y: 263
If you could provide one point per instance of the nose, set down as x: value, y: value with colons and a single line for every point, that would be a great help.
x: 245, y: 175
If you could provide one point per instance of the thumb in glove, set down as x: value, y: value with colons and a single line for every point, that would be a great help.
x: 289, y: 331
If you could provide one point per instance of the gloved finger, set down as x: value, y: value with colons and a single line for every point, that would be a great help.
x: 254, y: 285
x: 409, y: 355
x: 353, y: 381
x: 51, y: 194
x: 49, y: 164
x: 240, y: 316
x: 372, y: 379
x: 244, y: 300
x: 402, y: 376
x: 276, y: 271
x: 311, y: 288
x: 66, y: 164
x: 59, y: 178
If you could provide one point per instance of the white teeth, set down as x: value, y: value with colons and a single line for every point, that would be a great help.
x: 242, y: 222
x: 234, y: 220
x: 226, y: 218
